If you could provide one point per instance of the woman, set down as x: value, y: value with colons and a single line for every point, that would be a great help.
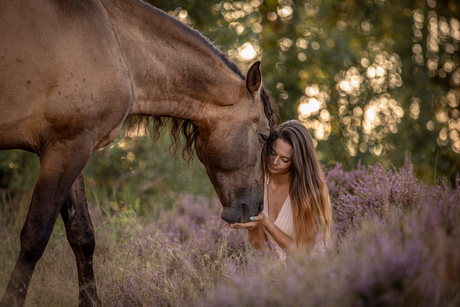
x: 297, y: 210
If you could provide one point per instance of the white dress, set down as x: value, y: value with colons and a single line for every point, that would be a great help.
x: 283, y: 221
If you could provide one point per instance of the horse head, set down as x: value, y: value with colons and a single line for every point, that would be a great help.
x: 230, y: 146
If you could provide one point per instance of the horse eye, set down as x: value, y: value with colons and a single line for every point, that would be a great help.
x: 264, y: 137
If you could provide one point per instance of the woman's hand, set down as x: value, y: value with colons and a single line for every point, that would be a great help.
x: 254, y: 222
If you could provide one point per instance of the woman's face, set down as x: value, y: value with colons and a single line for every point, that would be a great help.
x: 280, y: 158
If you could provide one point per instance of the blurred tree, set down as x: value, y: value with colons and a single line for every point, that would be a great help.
x: 134, y: 173
x: 372, y: 80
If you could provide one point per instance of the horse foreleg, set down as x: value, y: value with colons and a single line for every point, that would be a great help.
x: 80, y: 234
x: 58, y: 170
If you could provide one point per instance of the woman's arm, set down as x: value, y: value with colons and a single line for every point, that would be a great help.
x: 283, y: 240
x: 257, y: 237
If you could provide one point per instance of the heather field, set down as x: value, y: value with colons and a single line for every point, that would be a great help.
x: 396, y: 242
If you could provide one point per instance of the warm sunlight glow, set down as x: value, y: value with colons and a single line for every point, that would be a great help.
x: 247, y: 52
x: 285, y: 12
x: 312, y: 90
x: 313, y: 112
x: 370, y: 114
x: 309, y: 107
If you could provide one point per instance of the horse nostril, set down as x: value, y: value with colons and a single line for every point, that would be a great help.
x: 261, y: 207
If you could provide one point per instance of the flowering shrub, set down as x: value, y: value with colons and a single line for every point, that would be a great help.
x: 395, y: 242
x: 176, y: 258
x: 374, y: 192
x: 339, y: 181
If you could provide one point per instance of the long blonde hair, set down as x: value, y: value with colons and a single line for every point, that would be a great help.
x: 311, y: 207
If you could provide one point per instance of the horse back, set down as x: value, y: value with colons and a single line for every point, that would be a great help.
x: 61, y: 73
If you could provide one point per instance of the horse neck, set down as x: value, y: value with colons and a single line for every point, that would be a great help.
x: 174, y: 71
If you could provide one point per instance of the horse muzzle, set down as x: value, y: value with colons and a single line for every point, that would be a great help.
x: 241, y: 213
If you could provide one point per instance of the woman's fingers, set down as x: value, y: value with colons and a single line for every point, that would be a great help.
x: 238, y: 225
x: 249, y: 225
x: 257, y: 218
x: 253, y: 222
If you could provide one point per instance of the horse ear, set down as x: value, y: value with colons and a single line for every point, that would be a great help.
x: 254, y: 78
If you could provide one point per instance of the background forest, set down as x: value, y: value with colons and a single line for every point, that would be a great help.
x: 371, y: 79
x: 378, y: 85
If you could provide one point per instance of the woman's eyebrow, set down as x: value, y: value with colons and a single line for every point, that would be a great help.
x: 281, y: 156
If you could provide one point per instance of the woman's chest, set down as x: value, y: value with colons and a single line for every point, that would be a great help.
x: 276, y: 199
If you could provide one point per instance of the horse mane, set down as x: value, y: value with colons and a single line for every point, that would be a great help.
x: 147, y: 11
x: 233, y: 67
x: 140, y: 124
x: 196, y: 35
x: 76, y: 6
x: 270, y: 107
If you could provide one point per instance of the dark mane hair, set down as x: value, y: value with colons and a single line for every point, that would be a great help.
x: 233, y: 67
x: 191, y: 35
x: 139, y: 124
x: 194, y: 34
x: 270, y: 107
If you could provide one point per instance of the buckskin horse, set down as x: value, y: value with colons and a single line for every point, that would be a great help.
x: 71, y: 73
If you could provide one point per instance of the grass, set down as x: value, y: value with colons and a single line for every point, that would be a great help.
x: 396, y: 242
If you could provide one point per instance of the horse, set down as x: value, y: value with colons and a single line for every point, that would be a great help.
x: 73, y: 71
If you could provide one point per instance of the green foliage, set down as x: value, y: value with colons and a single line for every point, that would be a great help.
x: 130, y: 177
x: 142, y: 177
x: 18, y: 169
x: 374, y: 79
